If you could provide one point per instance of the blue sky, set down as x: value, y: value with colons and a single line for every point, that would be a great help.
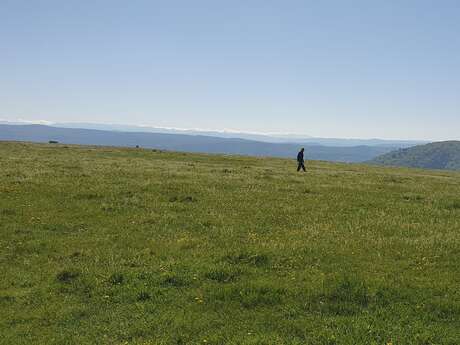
x: 362, y: 69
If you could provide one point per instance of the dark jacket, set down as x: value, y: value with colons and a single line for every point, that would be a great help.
x: 300, y: 157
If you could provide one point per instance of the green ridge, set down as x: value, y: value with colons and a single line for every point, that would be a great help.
x: 439, y: 155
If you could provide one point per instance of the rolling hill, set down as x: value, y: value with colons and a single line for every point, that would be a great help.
x: 107, y: 245
x: 188, y: 143
x: 438, y: 155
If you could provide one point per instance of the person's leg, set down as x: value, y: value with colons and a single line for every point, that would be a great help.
x: 299, y: 165
x: 303, y: 166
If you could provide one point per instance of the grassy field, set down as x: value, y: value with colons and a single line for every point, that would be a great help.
x: 132, y: 246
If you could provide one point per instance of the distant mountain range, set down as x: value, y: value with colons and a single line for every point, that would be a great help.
x: 194, y: 143
x: 268, y: 138
x: 438, y: 155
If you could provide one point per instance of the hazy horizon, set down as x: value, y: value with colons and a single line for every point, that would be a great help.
x: 387, y: 70
x: 305, y: 136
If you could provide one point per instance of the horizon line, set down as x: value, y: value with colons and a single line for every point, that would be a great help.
x: 276, y: 135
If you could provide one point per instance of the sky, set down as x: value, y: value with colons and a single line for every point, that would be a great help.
x: 346, y: 69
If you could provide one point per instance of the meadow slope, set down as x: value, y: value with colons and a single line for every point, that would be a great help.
x: 131, y: 246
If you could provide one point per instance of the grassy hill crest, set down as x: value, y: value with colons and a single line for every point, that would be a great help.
x: 105, y: 245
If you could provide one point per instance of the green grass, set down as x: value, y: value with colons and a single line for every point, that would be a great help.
x: 131, y: 246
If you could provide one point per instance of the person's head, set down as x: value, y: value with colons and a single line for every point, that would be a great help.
x: 302, y: 149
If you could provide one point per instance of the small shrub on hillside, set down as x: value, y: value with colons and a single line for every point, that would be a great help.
x: 262, y: 295
x: 76, y: 254
x: 443, y: 310
x: 116, y: 279
x: 223, y: 275
x: 348, y: 289
x: 7, y: 212
x: 7, y: 299
x: 174, y: 281
x: 143, y: 296
x: 453, y: 205
x: 187, y: 198
x: 412, y: 197
x: 343, y: 296
x: 67, y: 276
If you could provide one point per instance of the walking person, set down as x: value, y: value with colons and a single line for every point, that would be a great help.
x: 300, y: 160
